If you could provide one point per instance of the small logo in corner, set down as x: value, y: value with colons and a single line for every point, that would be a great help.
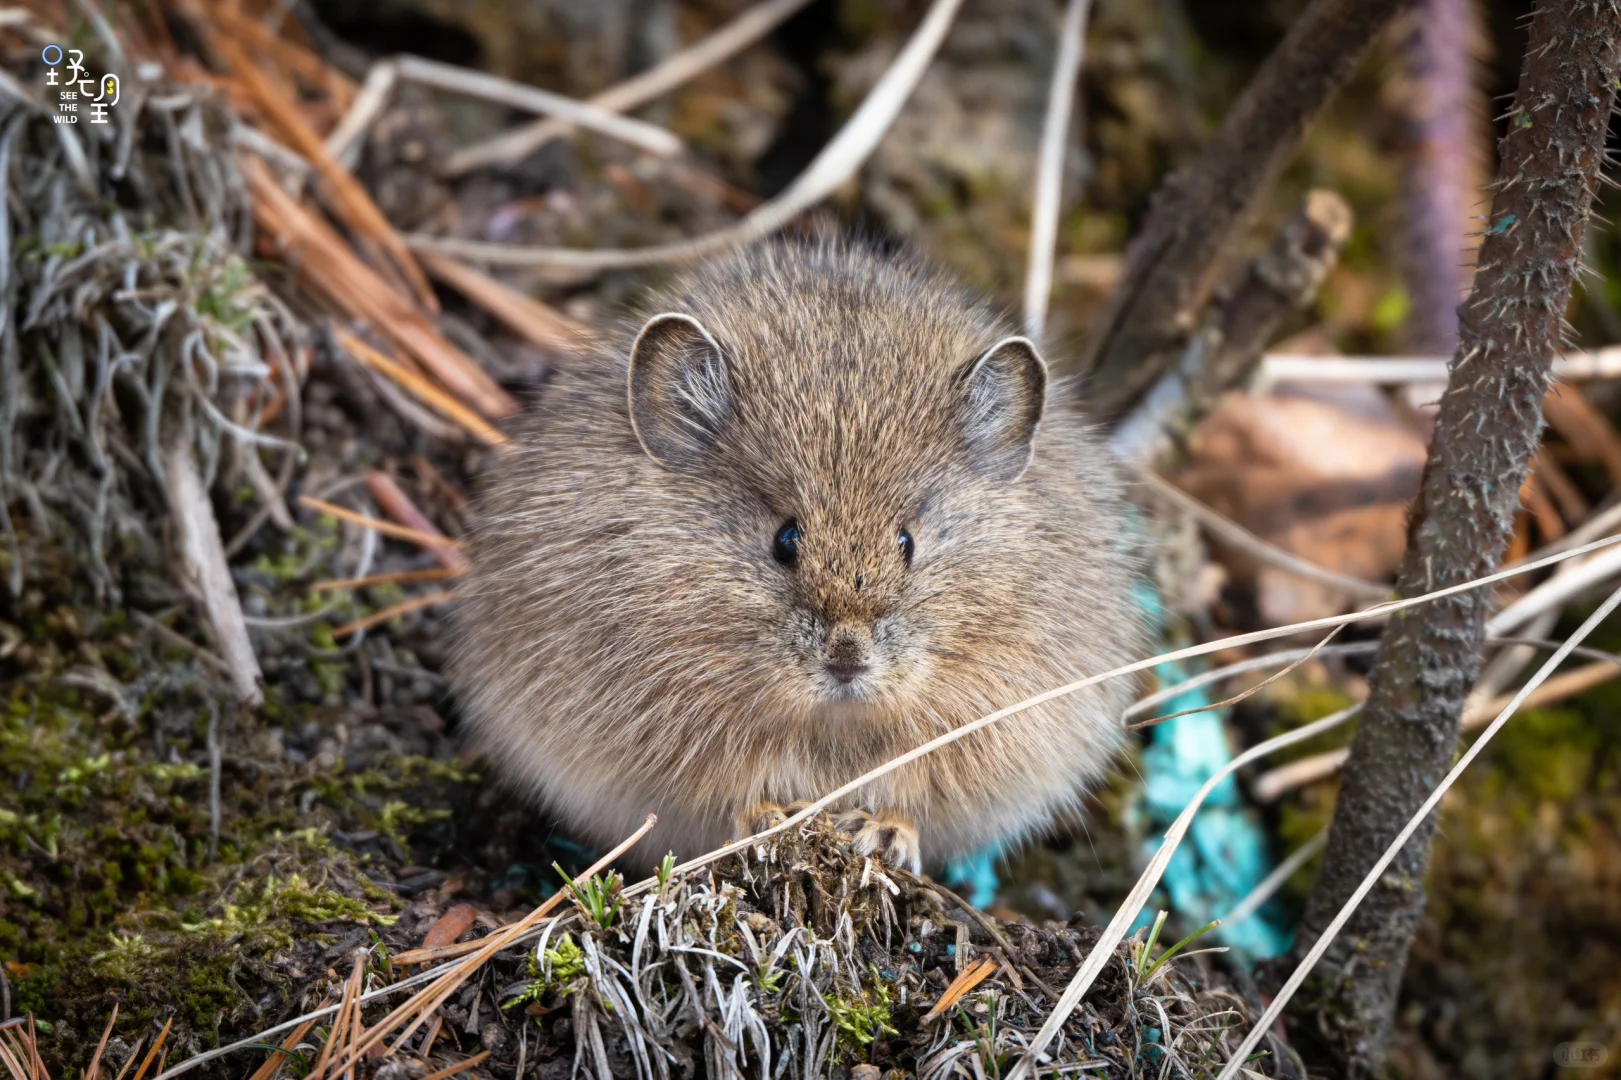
x: 76, y: 87
x: 1580, y: 1055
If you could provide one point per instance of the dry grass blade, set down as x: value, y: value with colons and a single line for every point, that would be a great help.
x: 524, y: 315
x: 343, y: 142
x: 1554, y: 593
x: 837, y: 162
x: 1115, y: 932
x: 425, y: 1002
x: 328, y: 263
x: 737, y: 35
x: 960, y: 987
x: 638, y: 133
x: 420, y: 388
x: 1233, y: 533
x: 398, y: 505
x: 351, y: 201
x: 428, y: 540
x: 1244, y: 694
x: 271, y: 1063
x: 1399, y: 370
x: 397, y: 577
x: 1275, y: 1008
x: 1038, y: 282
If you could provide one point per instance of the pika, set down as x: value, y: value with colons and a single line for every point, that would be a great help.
x: 809, y: 511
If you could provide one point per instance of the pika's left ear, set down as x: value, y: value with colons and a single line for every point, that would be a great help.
x: 1004, y: 392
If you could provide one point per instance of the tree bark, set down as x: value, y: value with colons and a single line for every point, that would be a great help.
x: 1201, y: 216
x: 1488, y: 429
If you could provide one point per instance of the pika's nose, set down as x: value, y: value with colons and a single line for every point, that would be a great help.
x: 847, y: 649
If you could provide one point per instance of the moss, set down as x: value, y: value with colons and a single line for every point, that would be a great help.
x: 862, y: 1018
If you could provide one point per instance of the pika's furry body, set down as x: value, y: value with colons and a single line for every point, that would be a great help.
x: 812, y: 515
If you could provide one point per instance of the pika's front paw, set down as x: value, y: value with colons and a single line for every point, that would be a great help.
x: 766, y: 815
x: 886, y: 834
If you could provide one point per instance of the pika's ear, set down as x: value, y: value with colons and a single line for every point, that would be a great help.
x: 1004, y: 392
x: 680, y: 394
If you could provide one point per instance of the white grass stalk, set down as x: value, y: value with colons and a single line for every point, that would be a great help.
x: 1126, y: 913
x: 837, y: 162
x: 1399, y: 370
x: 1275, y: 1009
x: 343, y: 145
x: 1038, y: 279
x: 478, y: 84
x: 753, y: 24
x: 1555, y: 592
x: 1226, y: 529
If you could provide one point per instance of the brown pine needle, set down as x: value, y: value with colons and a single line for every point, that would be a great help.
x: 93, y: 1070
x: 397, y: 577
x: 965, y: 981
x: 133, y: 1054
x: 426, y: 1001
x: 328, y: 264
x: 387, y: 528
x: 268, y: 1068
x: 459, y: 1067
x: 419, y: 388
x: 347, y: 197
x: 439, y: 952
x: 393, y: 500
x: 416, y: 603
x: 157, y: 1045
x: 526, y: 316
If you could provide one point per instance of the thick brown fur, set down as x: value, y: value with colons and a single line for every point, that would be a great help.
x: 628, y: 643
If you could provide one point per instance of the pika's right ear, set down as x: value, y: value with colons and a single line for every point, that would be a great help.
x: 680, y: 393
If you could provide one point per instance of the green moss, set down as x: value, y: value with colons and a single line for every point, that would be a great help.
x: 862, y: 1019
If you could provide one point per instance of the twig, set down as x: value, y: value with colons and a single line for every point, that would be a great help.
x: 180, y: 641
x: 1219, y: 357
x: 1201, y: 215
x: 344, y: 142
x: 1038, y: 278
x: 837, y: 162
x: 398, y: 505
x: 1414, y: 823
x: 213, y: 780
x: 205, y: 565
x: 1487, y: 431
x: 638, y: 133
x: 513, y: 146
x: 1233, y: 533
x: 528, y: 317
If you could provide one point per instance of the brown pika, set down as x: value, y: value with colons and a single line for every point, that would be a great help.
x: 810, y: 512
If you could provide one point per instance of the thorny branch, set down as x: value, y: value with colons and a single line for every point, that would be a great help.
x: 1487, y: 431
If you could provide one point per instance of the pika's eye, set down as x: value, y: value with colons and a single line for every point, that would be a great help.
x: 908, y: 547
x: 785, y: 545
